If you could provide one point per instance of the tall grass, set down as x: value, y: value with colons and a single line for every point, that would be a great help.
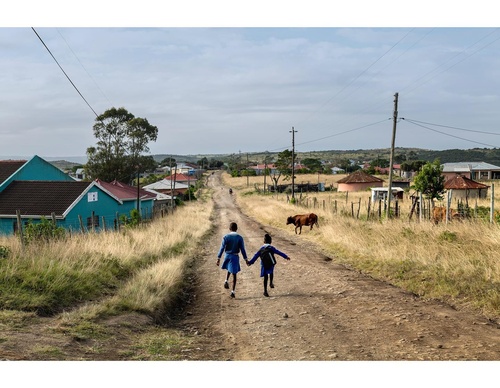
x: 457, y: 262
x: 135, y: 269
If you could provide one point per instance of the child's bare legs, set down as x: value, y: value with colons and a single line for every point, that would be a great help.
x: 271, y: 277
x: 234, y: 281
x: 266, y: 276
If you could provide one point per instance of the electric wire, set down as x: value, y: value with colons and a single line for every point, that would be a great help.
x: 69, y: 79
x: 83, y: 67
x: 448, y: 126
x: 447, y: 134
x: 357, y: 77
x: 335, y: 134
x: 452, y: 65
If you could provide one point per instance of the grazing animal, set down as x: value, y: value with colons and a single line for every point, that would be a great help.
x: 439, y: 214
x: 301, y: 220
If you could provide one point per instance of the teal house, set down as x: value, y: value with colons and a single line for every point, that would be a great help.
x: 36, y: 189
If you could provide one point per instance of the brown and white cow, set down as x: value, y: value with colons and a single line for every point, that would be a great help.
x: 301, y: 220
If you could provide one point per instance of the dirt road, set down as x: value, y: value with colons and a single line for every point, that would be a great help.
x: 319, y: 310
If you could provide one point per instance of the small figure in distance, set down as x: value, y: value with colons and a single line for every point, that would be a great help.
x: 267, y: 262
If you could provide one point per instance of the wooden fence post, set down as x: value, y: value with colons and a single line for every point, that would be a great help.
x: 20, y: 227
x: 82, y: 228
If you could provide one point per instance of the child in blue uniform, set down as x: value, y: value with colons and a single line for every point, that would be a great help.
x: 232, y: 244
x: 267, y: 273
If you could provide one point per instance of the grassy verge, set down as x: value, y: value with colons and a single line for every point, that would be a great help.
x: 456, y: 262
x: 135, y: 269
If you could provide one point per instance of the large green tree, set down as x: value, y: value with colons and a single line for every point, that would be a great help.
x: 314, y: 165
x: 430, y: 181
x: 122, y: 139
x: 283, y: 167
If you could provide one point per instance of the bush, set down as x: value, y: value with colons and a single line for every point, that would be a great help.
x: 44, y: 231
x: 133, y: 221
x: 4, y: 252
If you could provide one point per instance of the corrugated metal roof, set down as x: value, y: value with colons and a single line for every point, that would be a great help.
x: 469, y: 166
x: 460, y: 182
x: 165, y: 184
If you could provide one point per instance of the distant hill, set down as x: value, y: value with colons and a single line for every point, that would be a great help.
x: 487, y: 155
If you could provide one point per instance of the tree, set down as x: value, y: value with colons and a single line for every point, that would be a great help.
x: 284, y: 163
x: 122, y: 138
x: 170, y: 162
x: 314, y: 165
x: 283, y: 166
x: 430, y: 181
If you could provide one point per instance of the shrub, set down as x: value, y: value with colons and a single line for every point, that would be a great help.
x: 44, y: 231
x: 4, y: 252
x: 133, y: 221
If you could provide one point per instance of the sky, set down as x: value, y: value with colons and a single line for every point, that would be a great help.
x: 241, y: 82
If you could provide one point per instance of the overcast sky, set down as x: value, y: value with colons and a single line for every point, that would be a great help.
x: 222, y: 88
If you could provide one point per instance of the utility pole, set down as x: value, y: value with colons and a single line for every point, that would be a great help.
x: 138, y: 191
x: 389, y: 191
x: 265, y: 171
x: 293, y: 163
x: 247, y: 170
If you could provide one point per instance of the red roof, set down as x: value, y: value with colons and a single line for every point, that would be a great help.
x: 123, y: 191
x: 181, y: 177
x: 460, y: 182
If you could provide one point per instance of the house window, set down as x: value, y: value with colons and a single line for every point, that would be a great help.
x: 95, y: 222
x: 92, y: 197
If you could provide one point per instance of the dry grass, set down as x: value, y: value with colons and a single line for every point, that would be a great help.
x: 455, y: 261
x: 141, y: 268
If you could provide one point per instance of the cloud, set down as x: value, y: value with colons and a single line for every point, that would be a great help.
x: 226, y: 90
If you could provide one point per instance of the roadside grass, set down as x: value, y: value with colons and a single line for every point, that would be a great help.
x: 138, y: 269
x: 455, y: 262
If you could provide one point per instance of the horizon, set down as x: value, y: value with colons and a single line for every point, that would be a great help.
x: 225, y: 90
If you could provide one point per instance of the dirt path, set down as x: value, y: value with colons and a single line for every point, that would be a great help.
x: 319, y: 310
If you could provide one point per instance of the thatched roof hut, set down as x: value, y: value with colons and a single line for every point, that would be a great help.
x: 359, y: 181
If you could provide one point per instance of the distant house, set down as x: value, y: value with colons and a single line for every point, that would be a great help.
x: 79, y: 174
x: 380, y: 193
x: 359, y: 181
x: 463, y: 187
x: 186, y: 168
x: 166, y: 186
x: 183, y: 178
x: 471, y: 170
x: 260, y: 168
x: 337, y: 170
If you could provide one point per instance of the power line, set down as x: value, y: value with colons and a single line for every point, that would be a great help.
x: 447, y: 134
x: 447, y: 126
x: 69, y: 79
x: 81, y: 64
x: 335, y: 134
x: 450, y: 59
x: 358, y: 76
